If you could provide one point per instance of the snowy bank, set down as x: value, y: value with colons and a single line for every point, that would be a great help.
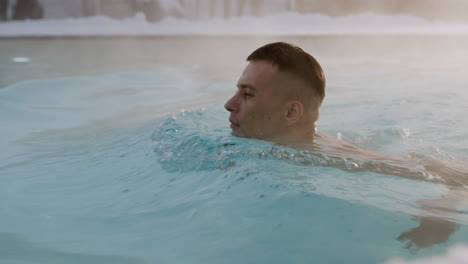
x: 456, y: 255
x: 279, y: 24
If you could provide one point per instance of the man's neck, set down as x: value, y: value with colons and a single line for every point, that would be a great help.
x: 297, y: 136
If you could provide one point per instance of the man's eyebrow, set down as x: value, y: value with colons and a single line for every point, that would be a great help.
x: 246, y: 86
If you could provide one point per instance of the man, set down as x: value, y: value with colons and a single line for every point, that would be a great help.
x: 278, y: 99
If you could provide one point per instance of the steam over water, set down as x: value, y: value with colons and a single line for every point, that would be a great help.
x: 366, y: 23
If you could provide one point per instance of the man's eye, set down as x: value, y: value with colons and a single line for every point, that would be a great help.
x: 247, y: 95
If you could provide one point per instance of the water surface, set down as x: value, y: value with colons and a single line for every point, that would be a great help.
x: 119, y: 151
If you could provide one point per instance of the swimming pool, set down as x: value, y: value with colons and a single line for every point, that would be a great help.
x: 119, y: 151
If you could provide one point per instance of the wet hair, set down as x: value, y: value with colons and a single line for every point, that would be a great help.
x: 293, y: 60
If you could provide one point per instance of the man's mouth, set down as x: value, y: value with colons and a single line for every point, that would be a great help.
x: 234, y: 124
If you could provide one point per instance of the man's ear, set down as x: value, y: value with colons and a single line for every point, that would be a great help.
x: 294, y: 111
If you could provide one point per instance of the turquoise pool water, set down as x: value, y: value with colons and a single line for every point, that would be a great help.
x: 129, y: 159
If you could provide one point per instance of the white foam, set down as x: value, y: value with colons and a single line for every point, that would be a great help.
x: 278, y: 24
x: 456, y: 255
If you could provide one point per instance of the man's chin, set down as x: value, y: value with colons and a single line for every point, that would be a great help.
x: 243, y: 135
x: 235, y: 133
x: 238, y: 134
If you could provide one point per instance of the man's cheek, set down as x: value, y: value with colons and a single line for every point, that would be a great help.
x: 249, y: 117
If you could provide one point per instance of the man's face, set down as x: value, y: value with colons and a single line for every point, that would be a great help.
x: 257, y: 109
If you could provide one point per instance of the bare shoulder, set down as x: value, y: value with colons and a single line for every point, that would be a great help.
x: 337, y: 146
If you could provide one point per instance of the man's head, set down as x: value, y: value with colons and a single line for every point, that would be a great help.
x: 279, y: 94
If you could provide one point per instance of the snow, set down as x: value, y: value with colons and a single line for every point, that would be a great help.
x: 275, y: 24
x: 456, y: 255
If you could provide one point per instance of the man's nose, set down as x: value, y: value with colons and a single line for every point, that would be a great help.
x: 231, y: 104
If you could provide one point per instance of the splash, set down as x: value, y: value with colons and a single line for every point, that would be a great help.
x: 197, y: 141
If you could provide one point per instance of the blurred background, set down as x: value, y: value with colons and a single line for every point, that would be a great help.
x: 155, y: 10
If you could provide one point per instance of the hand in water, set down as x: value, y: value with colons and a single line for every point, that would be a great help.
x: 431, y: 231
x: 434, y: 229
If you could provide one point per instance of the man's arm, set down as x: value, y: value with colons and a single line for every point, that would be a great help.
x: 436, y: 216
x: 413, y: 166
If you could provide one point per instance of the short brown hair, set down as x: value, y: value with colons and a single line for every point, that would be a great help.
x: 292, y: 59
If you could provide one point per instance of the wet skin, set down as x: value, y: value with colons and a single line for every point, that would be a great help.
x: 255, y: 110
